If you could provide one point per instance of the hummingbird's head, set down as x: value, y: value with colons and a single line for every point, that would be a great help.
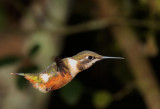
x: 86, y: 59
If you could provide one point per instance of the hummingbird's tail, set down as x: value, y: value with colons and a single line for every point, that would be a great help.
x: 35, y: 80
x: 20, y: 74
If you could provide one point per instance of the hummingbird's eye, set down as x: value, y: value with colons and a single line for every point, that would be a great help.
x: 90, y: 57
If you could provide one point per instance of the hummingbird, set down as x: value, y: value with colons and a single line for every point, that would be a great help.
x: 62, y: 71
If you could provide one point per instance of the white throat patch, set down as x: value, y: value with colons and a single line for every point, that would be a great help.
x: 73, y: 67
x: 91, y: 63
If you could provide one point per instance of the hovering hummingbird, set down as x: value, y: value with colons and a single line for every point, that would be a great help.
x: 62, y: 71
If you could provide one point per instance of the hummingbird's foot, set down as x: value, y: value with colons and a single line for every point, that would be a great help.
x: 48, y: 89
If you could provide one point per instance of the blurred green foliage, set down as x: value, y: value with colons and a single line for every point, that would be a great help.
x: 102, y: 99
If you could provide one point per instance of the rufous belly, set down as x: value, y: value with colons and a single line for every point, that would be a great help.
x: 58, y: 81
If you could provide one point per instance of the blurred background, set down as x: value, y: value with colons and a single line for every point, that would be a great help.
x: 32, y: 32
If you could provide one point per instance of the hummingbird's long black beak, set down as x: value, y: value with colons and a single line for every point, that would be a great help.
x: 109, y: 57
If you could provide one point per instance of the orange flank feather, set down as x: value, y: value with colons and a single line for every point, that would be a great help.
x: 58, y: 81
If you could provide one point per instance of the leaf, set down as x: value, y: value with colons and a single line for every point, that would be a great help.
x: 9, y: 60
x: 34, y: 50
x: 2, y: 18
